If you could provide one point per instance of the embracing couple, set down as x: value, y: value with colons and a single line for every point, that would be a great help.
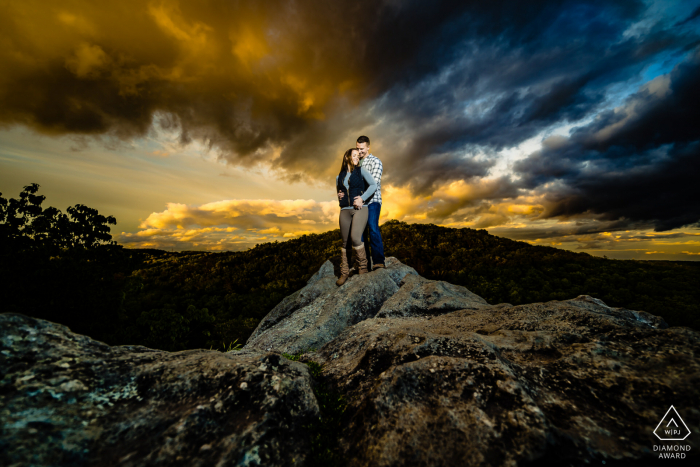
x: 360, y: 197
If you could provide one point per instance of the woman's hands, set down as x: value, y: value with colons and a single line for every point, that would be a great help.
x: 357, y: 203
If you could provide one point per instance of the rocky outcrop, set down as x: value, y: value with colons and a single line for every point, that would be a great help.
x: 319, y: 312
x: 68, y: 400
x: 323, y: 282
x: 556, y: 383
x: 432, y: 375
x: 419, y: 296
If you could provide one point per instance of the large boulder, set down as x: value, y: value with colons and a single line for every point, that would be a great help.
x: 557, y: 383
x: 67, y: 400
x: 321, y: 283
x: 430, y: 372
x: 419, y: 296
x: 319, y: 312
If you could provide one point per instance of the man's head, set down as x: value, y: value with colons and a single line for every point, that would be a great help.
x: 363, y: 145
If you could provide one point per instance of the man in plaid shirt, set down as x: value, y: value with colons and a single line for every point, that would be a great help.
x: 374, y: 166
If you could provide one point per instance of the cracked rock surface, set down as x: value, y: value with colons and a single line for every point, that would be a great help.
x: 66, y: 399
x: 432, y: 375
x: 557, y: 383
x: 300, y: 322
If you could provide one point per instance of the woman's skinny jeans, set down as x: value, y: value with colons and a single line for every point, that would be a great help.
x: 352, y: 224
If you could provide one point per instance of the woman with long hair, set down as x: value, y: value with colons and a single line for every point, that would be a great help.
x: 357, y: 186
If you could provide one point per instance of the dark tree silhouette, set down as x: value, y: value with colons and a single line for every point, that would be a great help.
x: 60, y: 267
x: 65, y: 268
x: 24, y: 225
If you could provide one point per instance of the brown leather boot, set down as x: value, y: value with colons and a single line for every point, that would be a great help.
x: 361, y: 258
x: 355, y: 266
x: 344, y: 268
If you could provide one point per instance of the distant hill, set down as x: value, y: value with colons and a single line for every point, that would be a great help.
x: 176, y: 301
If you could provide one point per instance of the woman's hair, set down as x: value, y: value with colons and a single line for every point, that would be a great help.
x: 347, y: 160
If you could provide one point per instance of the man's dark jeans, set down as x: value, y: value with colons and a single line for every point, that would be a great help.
x: 375, y: 236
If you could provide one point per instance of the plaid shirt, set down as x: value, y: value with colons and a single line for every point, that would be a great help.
x: 374, y: 166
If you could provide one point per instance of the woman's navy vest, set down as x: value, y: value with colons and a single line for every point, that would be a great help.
x: 357, y: 185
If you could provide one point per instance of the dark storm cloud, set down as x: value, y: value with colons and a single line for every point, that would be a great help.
x: 694, y: 15
x: 638, y: 163
x: 441, y: 86
x: 586, y: 227
x: 490, y: 78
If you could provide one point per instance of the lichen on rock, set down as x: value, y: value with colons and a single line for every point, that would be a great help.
x: 68, y: 400
x: 430, y: 374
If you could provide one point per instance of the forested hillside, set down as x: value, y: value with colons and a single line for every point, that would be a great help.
x: 65, y: 269
x: 195, y: 299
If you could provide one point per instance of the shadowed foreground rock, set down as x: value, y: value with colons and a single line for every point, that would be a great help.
x: 433, y: 375
x: 68, y: 400
x: 557, y: 383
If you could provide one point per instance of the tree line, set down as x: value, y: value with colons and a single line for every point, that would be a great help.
x: 65, y: 268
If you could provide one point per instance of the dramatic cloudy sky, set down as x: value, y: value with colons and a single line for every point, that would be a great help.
x: 219, y: 124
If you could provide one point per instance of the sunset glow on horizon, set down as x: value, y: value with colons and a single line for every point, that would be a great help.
x: 218, y: 125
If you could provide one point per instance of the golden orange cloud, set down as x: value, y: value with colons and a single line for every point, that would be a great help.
x: 231, y: 224
x: 239, y: 75
x: 477, y: 203
x: 259, y: 214
x: 241, y: 224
